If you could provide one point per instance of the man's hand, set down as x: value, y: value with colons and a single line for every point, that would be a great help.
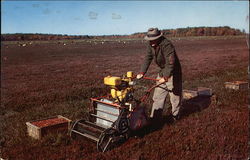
x: 162, y: 80
x: 139, y: 76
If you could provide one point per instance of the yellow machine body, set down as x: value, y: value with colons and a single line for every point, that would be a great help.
x: 130, y: 74
x: 114, y: 82
x: 119, y: 94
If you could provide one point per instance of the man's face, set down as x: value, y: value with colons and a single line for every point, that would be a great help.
x: 154, y: 43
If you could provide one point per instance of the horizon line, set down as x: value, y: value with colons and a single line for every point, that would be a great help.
x: 126, y: 34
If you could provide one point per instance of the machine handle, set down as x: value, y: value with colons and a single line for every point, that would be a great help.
x: 153, y: 79
x: 143, y: 98
x: 150, y: 78
x: 157, y: 85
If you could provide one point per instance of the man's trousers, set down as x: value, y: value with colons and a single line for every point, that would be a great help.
x: 160, y: 94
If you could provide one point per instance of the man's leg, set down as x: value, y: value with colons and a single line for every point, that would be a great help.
x: 159, y: 98
x: 176, y: 103
x: 175, y: 97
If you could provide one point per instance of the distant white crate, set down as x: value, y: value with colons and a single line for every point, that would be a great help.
x: 237, y: 85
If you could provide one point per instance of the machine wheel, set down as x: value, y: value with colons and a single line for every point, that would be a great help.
x: 123, y: 125
x: 106, y: 140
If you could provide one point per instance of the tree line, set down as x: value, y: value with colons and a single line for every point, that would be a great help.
x: 179, y: 32
x: 198, y: 31
x: 37, y: 36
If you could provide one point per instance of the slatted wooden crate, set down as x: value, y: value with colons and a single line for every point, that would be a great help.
x: 203, y: 91
x: 39, y: 128
x: 188, y: 94
x: 237, y: 85
x: 200, y: 91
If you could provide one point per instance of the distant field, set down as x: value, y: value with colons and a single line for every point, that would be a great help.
x: 122, y: 39
x: 46, y: 78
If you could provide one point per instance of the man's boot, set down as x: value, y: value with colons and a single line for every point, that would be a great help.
x: 156, y: 121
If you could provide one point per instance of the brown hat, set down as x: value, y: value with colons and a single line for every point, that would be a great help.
x: 153, y: 34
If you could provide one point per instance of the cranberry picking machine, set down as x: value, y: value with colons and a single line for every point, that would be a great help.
x: 112, y: 118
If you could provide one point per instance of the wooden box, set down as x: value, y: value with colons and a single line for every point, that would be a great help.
x: 203, y: 91
x: 188, y: 94
x: 237, y: 85
x: 39, y: 128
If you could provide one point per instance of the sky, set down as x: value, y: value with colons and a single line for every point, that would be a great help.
x: 119, y: 17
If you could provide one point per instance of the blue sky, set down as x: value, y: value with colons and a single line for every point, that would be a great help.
x: 119, y: 17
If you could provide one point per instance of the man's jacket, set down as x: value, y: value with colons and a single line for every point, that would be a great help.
x: 165, y: 57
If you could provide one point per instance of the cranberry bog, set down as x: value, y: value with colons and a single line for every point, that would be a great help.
x: 42, y: 79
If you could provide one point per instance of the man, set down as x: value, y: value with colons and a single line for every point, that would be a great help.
x: 163, y: 52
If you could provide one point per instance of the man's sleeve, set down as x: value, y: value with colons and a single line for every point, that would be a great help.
x: 147, y: 60
x: 169, y: 55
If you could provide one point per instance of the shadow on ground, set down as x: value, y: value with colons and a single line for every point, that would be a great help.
x: 190, y: 106
x: 196, y: 104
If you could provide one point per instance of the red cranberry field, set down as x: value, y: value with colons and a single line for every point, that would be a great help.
x: 46, y: 78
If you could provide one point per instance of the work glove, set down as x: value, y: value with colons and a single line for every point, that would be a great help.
x: 163, y: 79
x: 139, y: 76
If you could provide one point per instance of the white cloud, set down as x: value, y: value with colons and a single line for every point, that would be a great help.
x: 35, y: 5
x: 46, y: 11
x: 116, y: 16
x: 93, y: 15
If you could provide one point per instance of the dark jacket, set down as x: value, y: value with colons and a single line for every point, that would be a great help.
x: 167, y: 60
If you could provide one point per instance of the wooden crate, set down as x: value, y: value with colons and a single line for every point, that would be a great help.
x: 188, y: 94
x: 237, y: 85
x: 200, y: 91
x: 39, y: 128
x: 203, y: 91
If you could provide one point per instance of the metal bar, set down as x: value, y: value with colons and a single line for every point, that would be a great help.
x: 100, y: 126
x: 95, y: 125
x: 103, y: 118
x: 88, y: 126
x: 106, y: 112
x: 86, y: 135
x: 107, y: 144
x: 111, y: 104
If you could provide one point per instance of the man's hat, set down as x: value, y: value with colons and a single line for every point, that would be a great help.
x: 153, y: 34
